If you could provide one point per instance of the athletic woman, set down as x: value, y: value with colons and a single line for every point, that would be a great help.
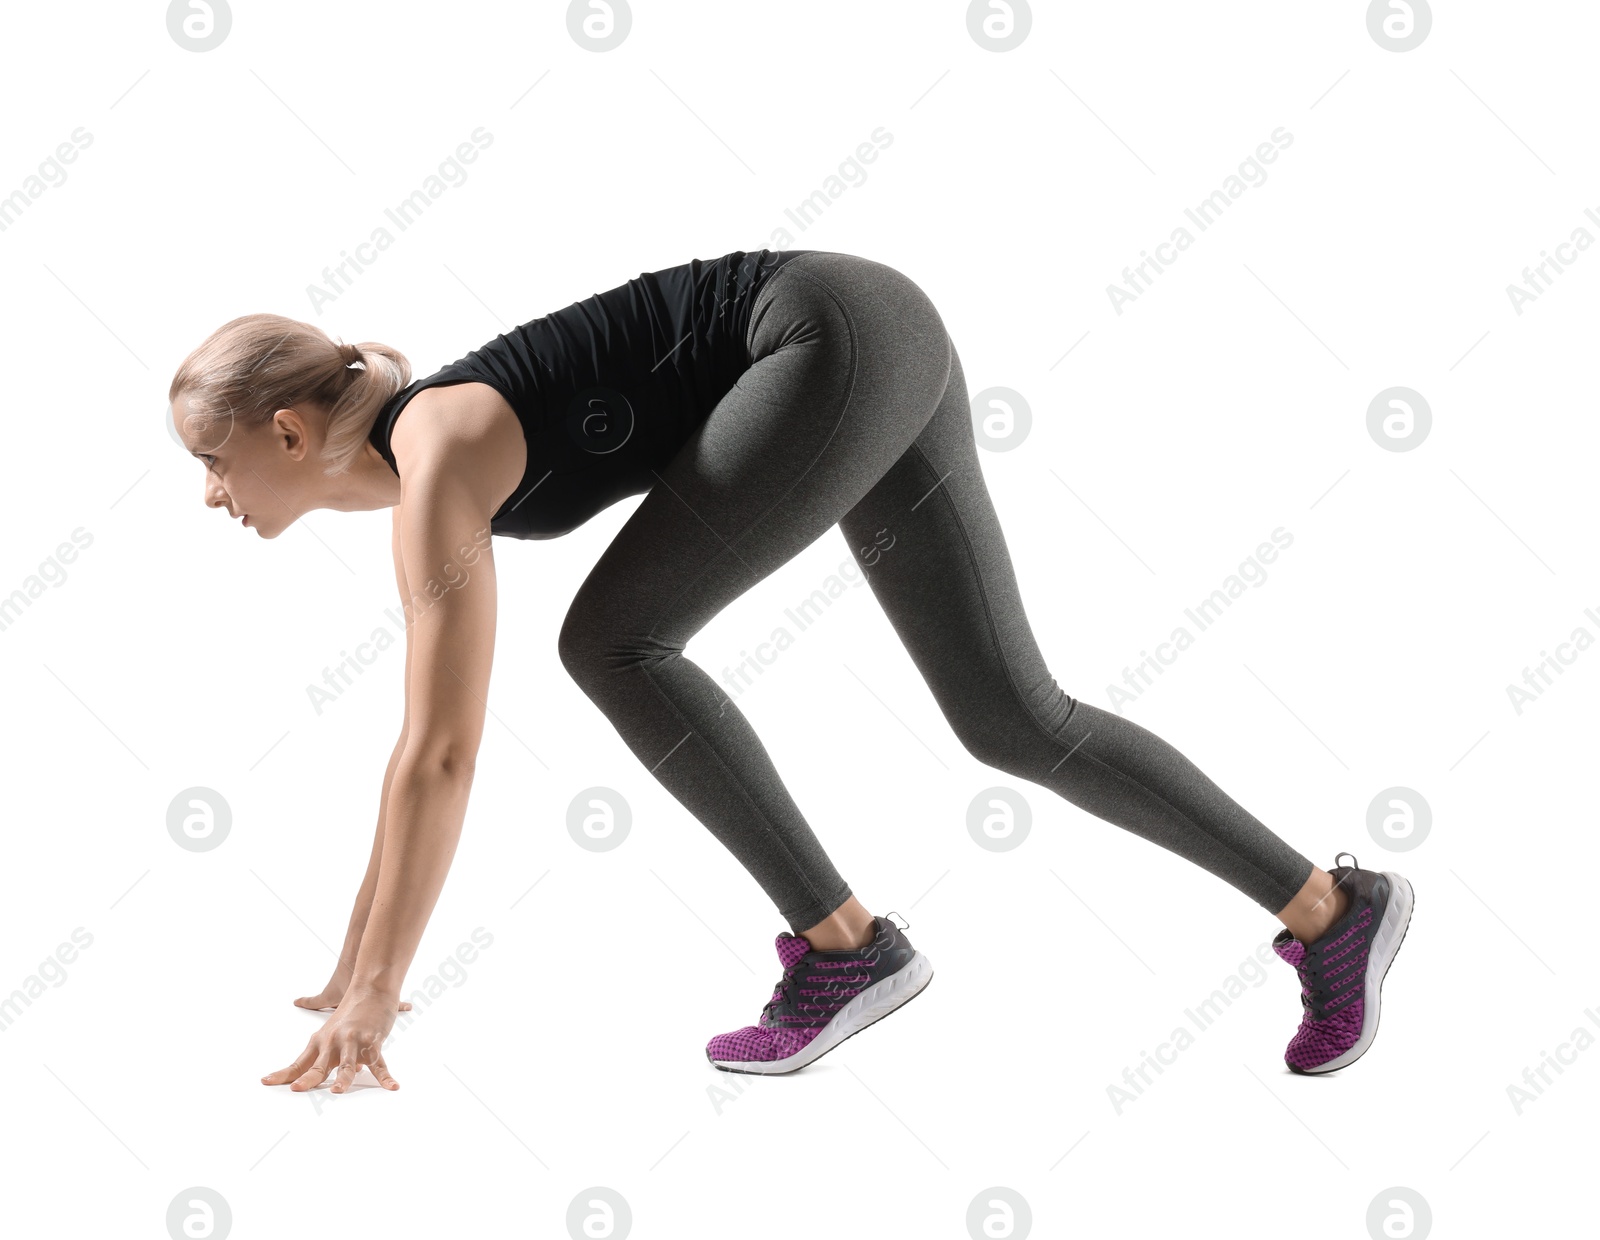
x: 756, y: 401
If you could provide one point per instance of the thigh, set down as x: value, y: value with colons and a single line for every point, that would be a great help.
x: 931, y: 547
x: 849, y: 360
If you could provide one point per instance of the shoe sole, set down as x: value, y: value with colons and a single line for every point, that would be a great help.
x: 1385, y: 946
x: 867, y: 1008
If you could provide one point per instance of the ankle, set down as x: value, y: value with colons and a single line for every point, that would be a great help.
x: 847, y: 928
x: 1316, y: 908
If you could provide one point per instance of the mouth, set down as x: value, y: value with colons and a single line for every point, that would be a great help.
x: 245, y: 518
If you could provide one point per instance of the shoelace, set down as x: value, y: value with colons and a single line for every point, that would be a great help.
x: 780, y: 992
x: 1309, y: 994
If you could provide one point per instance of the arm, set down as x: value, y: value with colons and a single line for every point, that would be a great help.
x: 333, y: 992
x: 457, y: 466
x: 443, y: 525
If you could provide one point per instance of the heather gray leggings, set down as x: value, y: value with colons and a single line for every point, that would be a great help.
x: 855, y: 413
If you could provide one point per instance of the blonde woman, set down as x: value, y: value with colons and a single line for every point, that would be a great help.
x: 756, y: 401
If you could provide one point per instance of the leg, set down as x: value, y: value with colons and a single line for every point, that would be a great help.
x: 947, y: 585
x: 849, y: 361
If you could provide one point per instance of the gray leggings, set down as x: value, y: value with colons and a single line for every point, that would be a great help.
x: 855, y: 413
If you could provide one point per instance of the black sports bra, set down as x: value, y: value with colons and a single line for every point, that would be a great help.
x: 608, y: 388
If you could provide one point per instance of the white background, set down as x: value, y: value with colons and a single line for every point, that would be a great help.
x: 1228, y: 400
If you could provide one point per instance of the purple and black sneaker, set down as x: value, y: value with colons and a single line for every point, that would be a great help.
x: 822, y: 999
x: 1341, y: 974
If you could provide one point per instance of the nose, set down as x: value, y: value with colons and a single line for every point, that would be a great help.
x: 215, y: 495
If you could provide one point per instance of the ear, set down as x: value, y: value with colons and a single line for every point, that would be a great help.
x: 289, y: 432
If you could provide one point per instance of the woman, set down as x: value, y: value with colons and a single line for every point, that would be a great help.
x: 756, y: 401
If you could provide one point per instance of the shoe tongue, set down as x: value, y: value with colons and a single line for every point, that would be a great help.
x: 791, y: 947
x: 1291, y: 949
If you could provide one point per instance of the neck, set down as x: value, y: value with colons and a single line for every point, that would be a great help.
x: 368, y: 484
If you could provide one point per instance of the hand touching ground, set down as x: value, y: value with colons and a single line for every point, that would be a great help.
x: 352, y: 1037
x: 330, y: 996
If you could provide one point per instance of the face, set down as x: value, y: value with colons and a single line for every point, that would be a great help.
x: 263, y: 476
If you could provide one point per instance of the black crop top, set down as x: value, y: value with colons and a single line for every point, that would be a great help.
x: 609, y: 388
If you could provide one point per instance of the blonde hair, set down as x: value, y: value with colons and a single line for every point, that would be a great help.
x: 253, y: 366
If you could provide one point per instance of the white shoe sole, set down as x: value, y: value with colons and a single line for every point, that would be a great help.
x: 1391, y: 930
x: 871, y: 1005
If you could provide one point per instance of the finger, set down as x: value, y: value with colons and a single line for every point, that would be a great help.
x: 309, y: 1079
x: 295, y: 1069
x: 314, y: 1002
x: 380, y: 1070
x: 316, y: 1073
x: 348, y: 1069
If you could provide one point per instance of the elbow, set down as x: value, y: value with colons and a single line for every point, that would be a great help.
x: 450, y: 761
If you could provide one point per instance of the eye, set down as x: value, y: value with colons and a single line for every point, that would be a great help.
x: 208, y: 459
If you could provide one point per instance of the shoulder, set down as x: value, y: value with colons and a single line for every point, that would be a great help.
x: 453, y: 416
x: 462, y: 426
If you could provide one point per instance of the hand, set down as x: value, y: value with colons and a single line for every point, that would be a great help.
x: 331, y: 994
x: 351, y: 1037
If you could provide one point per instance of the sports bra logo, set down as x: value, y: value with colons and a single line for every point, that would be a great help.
x: 600, y: 420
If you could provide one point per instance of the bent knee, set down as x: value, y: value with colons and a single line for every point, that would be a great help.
x: 1012, y: 736
x: 591, y: 649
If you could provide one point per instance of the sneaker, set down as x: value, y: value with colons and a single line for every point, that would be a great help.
x: 822, y: 999
x: 1341, y: 974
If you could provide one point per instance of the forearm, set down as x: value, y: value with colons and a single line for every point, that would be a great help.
x: 425, y: 807
x: 369, y: 882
